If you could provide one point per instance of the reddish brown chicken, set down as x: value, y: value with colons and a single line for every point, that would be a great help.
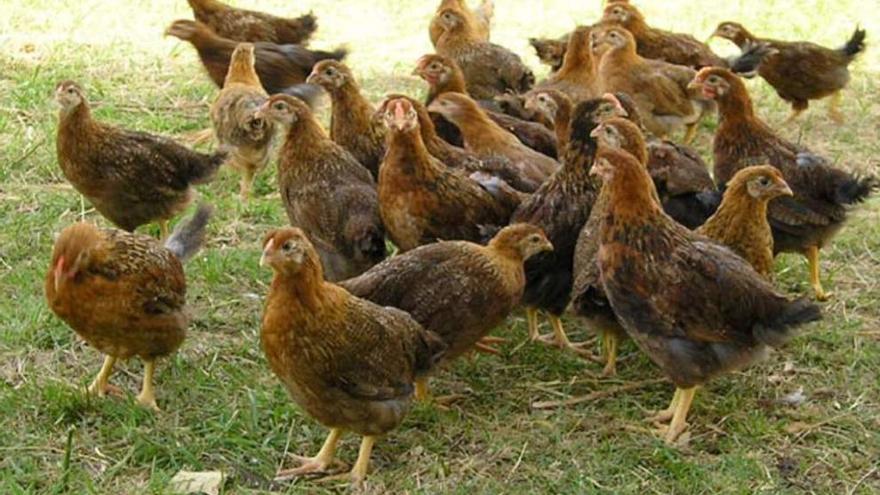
x: 347, y: 362
x: 577, y: 76
x: 249, y: 25
x: 480, y: 18
x: 131, y: 178
x: 326, y: 192
x: 555, y: 107
x: 352, y: 122
x: 124, y: 294
x: 822, y: 193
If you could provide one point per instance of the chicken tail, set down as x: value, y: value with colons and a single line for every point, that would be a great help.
x: 337, y: 54
x: 304, y: 26
x: 856, y: 43
x: 795, y: 314
x: 203, y: 170
x: 369, y: 243
x: 855, y: 189
x: 308, y: 93
x: 188, y: 236
x: 746, y: 63
x: 486, y: 11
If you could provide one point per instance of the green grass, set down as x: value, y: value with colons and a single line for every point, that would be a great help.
x: 223, y: 410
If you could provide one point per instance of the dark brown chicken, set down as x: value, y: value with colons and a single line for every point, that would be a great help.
x: 657, y: 44
x: 487, y: 139
x: 420, y: 199
x: 550, y: 51
x: 124, y: 294
x: 459, y: 290
x: 694, y: 307
x: 249, y: 25
x: 822, y: 193
x: 326, y: 192
x: 741, y: 221
x: 801, y: 71
x: 247, y: 138
x: 281, y: 68
x: 480, y: 18
x: 131, y: 178
x: 352, y: 122
x: 347, y: 362
x: 577, y: 76
x: 489, y: 69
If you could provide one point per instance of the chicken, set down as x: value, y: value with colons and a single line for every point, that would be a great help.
x: 550, y: 51
x: 249, y: 25
x: 659, y: 89
x: 247, y: 138
x: 326, y: 192
x: 352, y: 122
x: 577, y: 76
x: 281, y: 68
x: 694, y: 307
x: 420, y: 199
x: 588, y: 296
x: 443, y: 75
x: 480, y: 18
x: 348, y: 363
x: 124, y: 294
x: 656, y: 44
x: 801, y: 71
x: 822, y: 193
x: 131, y: 178
x: 458, y: 289
x: 487, y: 139
x: 489, y: 69
x: 741, y: 221
x: 555, y: 107
x: 561, y: 207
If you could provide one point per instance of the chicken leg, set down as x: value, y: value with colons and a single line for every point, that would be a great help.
x: 532, y: 319
x: 834, y: 108
x: 813, y: 258
x: 609, y: 346
x: 147, y: 397
x: 560, y: 339
x: 666, y: 414
x: 318, y: 464
x: 679, y: 417
x: 247, y: 181
x: 797, y: 108
x: 101, y: 384
x: 163, y: 229
x: 690, y: 133
x: 358, y: 473
x: 422, y: 393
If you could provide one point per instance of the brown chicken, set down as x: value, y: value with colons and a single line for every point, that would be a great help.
x: 489, y: 69
x: 659, y: 89
x: 443, y: 75
x: 131, y: 178
x: 349, y: 363
x: 822, y: 193
x: 801, y: 71
x: 124, y: 294
x: 741, y: 221
x: 487, y: 139
x: 657, y: 44
x: 550, y: 51
x: 326, y: 192
x: 577, y: 76
x: 457, y: 289
x: 249, y: 25
x: 281, y: 68
x: 694, y: 307
x: 555, y: 107
x: 420, y: 199
x: 247, y: 138
x: 352, y: 122
x: 480, y: 18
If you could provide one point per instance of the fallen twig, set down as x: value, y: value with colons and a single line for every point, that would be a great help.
x: 598, y: 394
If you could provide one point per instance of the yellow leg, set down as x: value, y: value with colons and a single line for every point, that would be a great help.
x: 100, y: 384
x: 679, y: 418
x: 559, y: 336
x: 163, y: 229
x: 422, y: 392
x: 690, y: 133
x: 147, y: 397
x: 834, y: 108
x: 666, y: 414
x: 609, y: 344
x: 795, y: 113
x: 247, y: 181
x: 317, y: 464
x: 359, y: 471
x: 532, y: 319
x: 813, y: 258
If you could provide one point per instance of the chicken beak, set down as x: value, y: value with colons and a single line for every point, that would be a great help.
x: 58, y: 273
x: 695, y: 85
x: 596, y: 132
x: 416, y: 72
x: 785, y: 190
x: 617, y: 104
x: 267, y: 251
x: 311, y: 79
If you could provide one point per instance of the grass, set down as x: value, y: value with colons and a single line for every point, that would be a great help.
x: 223, y: 410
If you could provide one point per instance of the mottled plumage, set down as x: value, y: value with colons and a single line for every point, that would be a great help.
x: 248, y: 25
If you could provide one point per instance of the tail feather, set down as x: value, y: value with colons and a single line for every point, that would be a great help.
x: 795, y: 314
x: 856, y: 43
x: 856, y: 189
x: 308, y: 93
x: 337, y: 54
x: 304, y: 25
x: 189, y: 236
x: 203, y: 170
x: 746, y: 63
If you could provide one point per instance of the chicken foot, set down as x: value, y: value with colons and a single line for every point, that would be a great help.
x: 147, y: 397
x: 101, y: 385
x: 610, y: 343
x: 682, y: 400
x: 560, y: 339
x: 358, y: 473
x: 318, y: 464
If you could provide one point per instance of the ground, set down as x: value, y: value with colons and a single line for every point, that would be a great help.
x: 222, y: 408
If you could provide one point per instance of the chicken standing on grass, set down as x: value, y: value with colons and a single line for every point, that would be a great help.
x: 124, y: 294
x: 349, y: 363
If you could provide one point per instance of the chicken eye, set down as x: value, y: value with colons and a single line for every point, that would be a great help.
x: 535, y: 239
x: 328, y: 72
x: 764, y: 181
x: 71, y: 90
x: 278, y: 106
x: 287, y: 246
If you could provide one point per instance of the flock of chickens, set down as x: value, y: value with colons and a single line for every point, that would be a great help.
x: 498, y: 193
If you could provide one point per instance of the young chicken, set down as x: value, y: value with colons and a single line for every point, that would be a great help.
x: 249, y: 25
x: 658, y: 88
x: 487, y: 139
x: 326, y: 192
x: 577, y: 76
x: 247, y: 138
x: 656, y: 44
x: 480, y: 18
x: 281, y: 68
x: 420, y: 199
x: 555, y: 107
x: 352, y: 122
x: 347, y: 362
x: 443, y: 75
x: 457, y: 289
x: 801, y: 71
x: 806, y: 222
x: 550, y: 51
x: 695, y: 308
x: 124, y: 294
x: 131, y: 178
x: 561, y: 207
x: 489, y: 69
x: 741, y: 221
